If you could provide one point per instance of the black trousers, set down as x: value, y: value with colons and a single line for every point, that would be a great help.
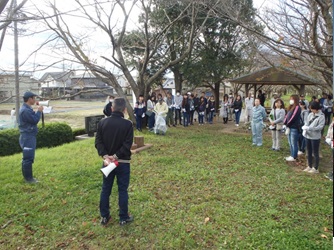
x: 192, y: 116
x: 313, y: 149
x: 177, y: 116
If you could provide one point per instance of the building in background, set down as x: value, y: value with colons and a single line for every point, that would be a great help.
x: 7, y: 84
x: 55, y: 84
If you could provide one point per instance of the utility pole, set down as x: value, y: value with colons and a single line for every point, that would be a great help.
x: 16, y: 59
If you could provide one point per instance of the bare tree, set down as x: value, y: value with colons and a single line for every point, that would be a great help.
x: 300, y: 32
x: 303, y: 35
x: 100, y: 16
x: 6, y: 17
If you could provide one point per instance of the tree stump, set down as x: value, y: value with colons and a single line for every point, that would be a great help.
x: 139, y: 140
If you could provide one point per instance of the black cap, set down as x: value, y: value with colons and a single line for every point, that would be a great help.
x: 28, y: 94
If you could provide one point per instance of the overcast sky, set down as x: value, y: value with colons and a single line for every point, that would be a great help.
x: 28, y: 44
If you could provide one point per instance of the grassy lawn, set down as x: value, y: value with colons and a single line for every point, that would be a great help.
x: 196, y: 188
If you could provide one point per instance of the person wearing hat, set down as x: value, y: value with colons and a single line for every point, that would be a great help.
x: 302, y: 98
x: 28, y: 120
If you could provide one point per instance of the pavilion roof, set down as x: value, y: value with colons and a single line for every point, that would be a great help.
x: 275, y: 76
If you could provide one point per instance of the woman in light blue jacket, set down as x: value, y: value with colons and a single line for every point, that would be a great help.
x: 312, y: 132
x: 276, y: 118
x: 259, y: 115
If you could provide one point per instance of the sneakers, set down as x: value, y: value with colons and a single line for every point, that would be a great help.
x: 128, y: 220
x: 307, y: 169
x: 32, y: 181
x: 290, y: 158
x: 300, y: 152
x: 105, y: 220
x: 314, y: 171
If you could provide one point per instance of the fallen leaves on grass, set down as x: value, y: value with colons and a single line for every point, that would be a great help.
x: 324, y: 236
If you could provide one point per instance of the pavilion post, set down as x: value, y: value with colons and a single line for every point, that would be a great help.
x: 302, y: 89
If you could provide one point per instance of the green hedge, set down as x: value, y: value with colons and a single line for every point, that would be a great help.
x: 9, y: 141
x: 53, y: 134
x: 78, y: 131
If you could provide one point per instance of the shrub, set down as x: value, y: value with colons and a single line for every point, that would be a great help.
x: 78, y: 131
x: 53, y: 134
x: 9, y: 141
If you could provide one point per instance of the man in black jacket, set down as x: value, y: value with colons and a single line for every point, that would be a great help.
x: 113, y: 142
x: 107, y: 108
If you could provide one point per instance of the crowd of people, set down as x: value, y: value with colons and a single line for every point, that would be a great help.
x: 301, y: 121
x: 185, y: 110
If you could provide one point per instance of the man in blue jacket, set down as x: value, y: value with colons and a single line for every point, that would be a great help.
x: 28, y: 120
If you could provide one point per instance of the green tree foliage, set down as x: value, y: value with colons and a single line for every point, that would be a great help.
x: 221, y: 52
x: 165, y: 39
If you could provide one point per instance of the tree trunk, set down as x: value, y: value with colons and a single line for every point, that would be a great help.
x: 177, y: 80
x: 216, y: 94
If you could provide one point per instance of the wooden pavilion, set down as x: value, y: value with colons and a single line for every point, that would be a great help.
x: 277, y: 75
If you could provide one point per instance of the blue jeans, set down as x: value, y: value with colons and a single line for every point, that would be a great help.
x: 151, y: 121
x: 210, y: 116
x: 301, y: 142
x: 328, y: 117
x: 257, y: 128
x: 139, y: 120
x: 186, y: 119
x: 237, y: 116
x: 28, y: 145
x: 122, y: 172
x: 201, y: 119
x: 293, y: 142
x: 313, y: 149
